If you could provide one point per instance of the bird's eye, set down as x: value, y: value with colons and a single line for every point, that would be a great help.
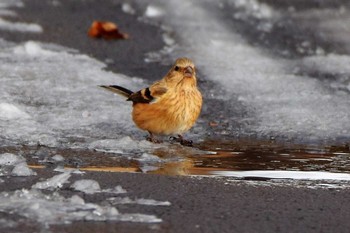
x: 176, y: 68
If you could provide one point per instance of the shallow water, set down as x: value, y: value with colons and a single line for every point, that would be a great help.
x: 239, y: 158
x: 248, y: 90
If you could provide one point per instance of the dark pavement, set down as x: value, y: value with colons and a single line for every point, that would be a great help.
x: 198, y: 204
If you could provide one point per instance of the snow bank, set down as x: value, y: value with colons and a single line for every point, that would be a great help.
x: 278, y: 101
x: 54, y: 106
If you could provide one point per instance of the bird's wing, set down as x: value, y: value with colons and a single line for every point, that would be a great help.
x: 119, y: 90
x: 150, y: 94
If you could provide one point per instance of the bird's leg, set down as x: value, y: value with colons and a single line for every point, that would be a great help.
x: 182, y: 141
x: 151, y: 138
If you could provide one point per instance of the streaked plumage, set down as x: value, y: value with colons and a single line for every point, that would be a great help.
x: 170, y: 106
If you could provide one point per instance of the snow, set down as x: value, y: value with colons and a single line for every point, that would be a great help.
x: 57, y: 158
x: 55, y: 209
x: 56, y: 106
x: 92, y: 186
x: 4, y: 12
x: 153, y: 11
x: 278, y: 101
x: 14, y: 165
x: 54, y: 182
x: 252, y: 8
x: 124, y: 143
x: 32, y: 49
x: 280, y: 96
x: 333, y: 68
x: 10, y: 159
x: 20, y: 27
x: 22, y: 169
x: 127, y: 8
x: 86, y: 186
x: 138, y: 201
x: 15, y: 26
x: 52, y: 208
x: 146, y: 157
x: 11, y: 112
x: 11, y: 3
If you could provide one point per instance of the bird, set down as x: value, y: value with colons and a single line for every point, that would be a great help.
x: 168, y: 107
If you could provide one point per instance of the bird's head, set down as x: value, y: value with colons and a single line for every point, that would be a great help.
x: 183, y: 72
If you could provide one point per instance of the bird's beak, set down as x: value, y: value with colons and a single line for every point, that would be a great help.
x: 188, y: 72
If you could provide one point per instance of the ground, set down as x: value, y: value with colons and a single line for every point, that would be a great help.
x: 198, y: 203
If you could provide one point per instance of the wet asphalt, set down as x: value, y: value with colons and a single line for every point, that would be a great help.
x: 198, y: 204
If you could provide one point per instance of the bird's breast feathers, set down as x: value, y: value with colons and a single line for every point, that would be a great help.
x: 173, y: 113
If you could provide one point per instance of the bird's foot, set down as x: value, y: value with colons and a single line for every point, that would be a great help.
x: 153, y: 139
x: 182, y: 141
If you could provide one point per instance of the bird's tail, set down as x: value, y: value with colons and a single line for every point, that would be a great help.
x: 119, y: 90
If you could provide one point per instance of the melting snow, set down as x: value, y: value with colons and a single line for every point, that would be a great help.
x: 10, y: 159
x: 22, y: 169
x: 22, y: 27
x: 47, y: 209
x: 11, y: 3
x: 86, y: 186
x: 11, y: 112
x: 278, y: 101
x: 92, y: 186
x: 55, y: 209
x: 15, y: 26
x: 53, y: 105
x: 14, y: 165
x: 153, y: 11
x: 138, y: 201
x: 127, y: 8
x: 54, y: 182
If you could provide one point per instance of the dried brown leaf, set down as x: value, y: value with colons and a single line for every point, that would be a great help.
x: 106, y: 30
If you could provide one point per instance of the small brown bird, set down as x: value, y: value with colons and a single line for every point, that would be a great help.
x: 170, y: 106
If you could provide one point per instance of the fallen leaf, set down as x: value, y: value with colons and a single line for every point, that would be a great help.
x: 213, y: 124
x: 106, y: 30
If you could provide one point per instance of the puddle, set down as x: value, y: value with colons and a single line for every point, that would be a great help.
x: 241, y: 159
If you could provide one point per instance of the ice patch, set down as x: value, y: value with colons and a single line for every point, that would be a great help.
x: 11, y: 3
x: 92, y: 186
x: 11, y: 112
x: 277, y: 101
x: 86, y: 186
x: 14, y: 165
x: 330, y: 63
x: 57, y: 158
x: 127, y: 8
x: 47, y: 209
x: 55, y: 209
x: 61, y: 105
x: 22, y: 169
x: 137, y: 201
x: 252, y: 8
x: 146, y: 157
x: 122, y: 145
x: 4, y: 12
x: 298, y: 175
x: 153, y: 11
x: 31, y: 48
x: 54, y: 182
x: 15, y: 26
x: 333, y: 69
x: 9, y: 159
x: 20, y: 27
